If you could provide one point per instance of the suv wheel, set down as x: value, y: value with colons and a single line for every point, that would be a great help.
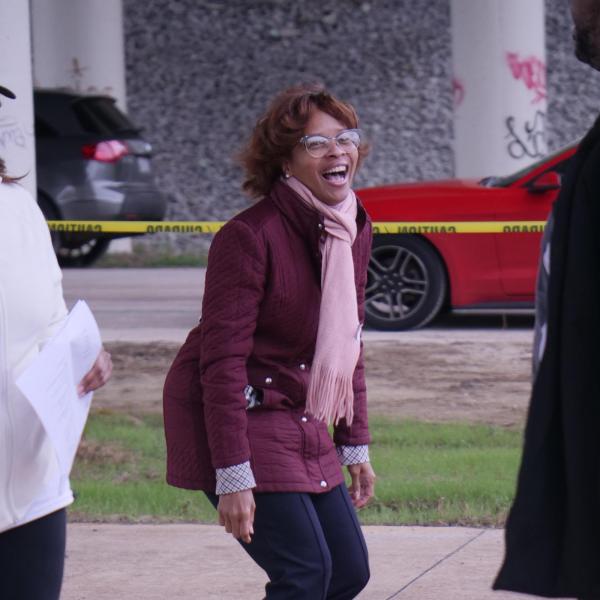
x: 72, y: 249
x: 76, y: 251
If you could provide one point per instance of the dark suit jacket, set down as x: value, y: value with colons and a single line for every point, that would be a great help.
x: 553, y: 530
x: 260, y: 316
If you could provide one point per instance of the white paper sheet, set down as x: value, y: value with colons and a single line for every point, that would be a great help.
x: 50, y: 382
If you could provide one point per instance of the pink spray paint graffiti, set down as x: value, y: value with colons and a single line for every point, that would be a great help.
x: 530, y: 70
x: 527, y: 137
x: 458, y: 89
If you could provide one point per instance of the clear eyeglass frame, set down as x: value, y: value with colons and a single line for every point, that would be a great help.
x: 318, y: 145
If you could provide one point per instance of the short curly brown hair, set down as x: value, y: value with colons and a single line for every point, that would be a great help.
x: 277, y: 132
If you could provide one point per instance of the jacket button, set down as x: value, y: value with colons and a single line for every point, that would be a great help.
x: 323, y: 483
x: 303, y: 367
x: 304, y: 419
x: 320, y: 225
x: 268, y: 380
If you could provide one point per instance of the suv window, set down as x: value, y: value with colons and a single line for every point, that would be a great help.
x: 70, y: 115
x: 101, y: 116
x: 42, y: 129
x: 54, y: 110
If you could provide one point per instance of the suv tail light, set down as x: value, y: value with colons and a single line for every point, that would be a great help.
x: 107, y: 151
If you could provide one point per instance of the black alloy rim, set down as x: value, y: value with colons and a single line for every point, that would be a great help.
x: 397, y: 283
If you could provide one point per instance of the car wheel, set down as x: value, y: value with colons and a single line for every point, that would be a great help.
x: 72, y: 249
x: 78, y: 250
x: 406, y: 283
x: 50, y: 214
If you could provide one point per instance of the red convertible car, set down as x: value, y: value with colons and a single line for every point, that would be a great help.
x: 413, y: 277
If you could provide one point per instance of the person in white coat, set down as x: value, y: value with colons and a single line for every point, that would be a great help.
x: 33, y: 493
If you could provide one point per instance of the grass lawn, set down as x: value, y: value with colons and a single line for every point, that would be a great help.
x: 427, y: 473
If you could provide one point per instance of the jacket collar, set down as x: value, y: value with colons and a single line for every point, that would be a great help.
x: 304, y: 219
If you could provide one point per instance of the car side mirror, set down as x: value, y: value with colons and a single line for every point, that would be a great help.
x: 546, y: 182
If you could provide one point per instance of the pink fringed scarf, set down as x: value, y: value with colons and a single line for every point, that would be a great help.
x: 330, y: 395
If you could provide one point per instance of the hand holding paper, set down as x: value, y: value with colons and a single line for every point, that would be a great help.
x: 98, y: 375
x: 51, y: 381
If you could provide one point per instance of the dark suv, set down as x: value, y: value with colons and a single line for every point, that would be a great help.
x: 92, y: 164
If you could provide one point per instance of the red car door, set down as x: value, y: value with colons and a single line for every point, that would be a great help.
x: 518, y: 253
x: 526, y: 199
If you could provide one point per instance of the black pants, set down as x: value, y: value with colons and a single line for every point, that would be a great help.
x: 310, y: 545
x: 32, y: 559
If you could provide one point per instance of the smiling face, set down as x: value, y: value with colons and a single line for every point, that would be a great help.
x: 329, y: 178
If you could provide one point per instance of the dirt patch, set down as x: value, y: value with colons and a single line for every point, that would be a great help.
x: 139, y: 372
x: 450, y: 381
x: 446, y: 380
x: 101, y: 453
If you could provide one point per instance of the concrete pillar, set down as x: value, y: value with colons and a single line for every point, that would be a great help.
x: 17, y: 142
x: 499, y: 59
x: 78, y: 44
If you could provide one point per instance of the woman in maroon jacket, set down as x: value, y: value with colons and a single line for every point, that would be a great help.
x: 277, y: 357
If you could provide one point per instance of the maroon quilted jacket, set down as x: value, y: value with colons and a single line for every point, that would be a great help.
x: 259, y: 322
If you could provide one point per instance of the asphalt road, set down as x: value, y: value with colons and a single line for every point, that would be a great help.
x: 164, y: 304
x: 139, y: 304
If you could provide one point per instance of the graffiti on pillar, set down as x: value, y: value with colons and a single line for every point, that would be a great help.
x: 77, y: 73
x: 11, y: 134
x: 526, y: 138
x: 531, y: 71
x: 458, y: 89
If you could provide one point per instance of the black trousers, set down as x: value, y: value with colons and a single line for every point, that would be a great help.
x: 310, y: 545
x: 32, y: 559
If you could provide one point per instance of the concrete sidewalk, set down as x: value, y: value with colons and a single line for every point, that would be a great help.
x: 201, y: 562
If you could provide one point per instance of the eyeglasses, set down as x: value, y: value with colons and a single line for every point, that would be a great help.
x: 318, y: 145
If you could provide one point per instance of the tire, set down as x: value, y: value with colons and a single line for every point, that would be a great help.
x: 72, y: 249
x: 406, y: 283
x: 81, y: 251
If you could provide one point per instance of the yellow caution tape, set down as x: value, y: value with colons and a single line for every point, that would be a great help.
x: 421, y: 227
x: 136, y: 226
x: 460, y: 227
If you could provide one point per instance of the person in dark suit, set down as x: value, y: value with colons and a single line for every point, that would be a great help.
x: 277, y: 357
x: 553, y: 530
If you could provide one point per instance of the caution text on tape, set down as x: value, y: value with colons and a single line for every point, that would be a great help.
x: 389, y: 227
x: 136, y: 226
x: 460, y: 227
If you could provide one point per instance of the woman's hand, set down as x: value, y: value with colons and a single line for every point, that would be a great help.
x: 236, y: 512
x: 362, y: 487
x: 98, y: 375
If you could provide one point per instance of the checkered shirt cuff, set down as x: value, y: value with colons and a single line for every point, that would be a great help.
x: 235, y: 479
x: 353, y: 455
